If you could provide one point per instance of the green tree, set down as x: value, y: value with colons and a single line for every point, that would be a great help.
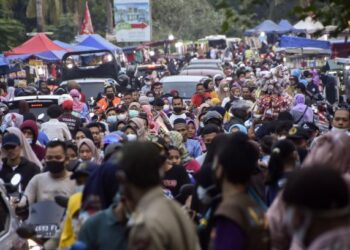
x: 186, y: 19
x: 12, y: 33
x: 335, y: 13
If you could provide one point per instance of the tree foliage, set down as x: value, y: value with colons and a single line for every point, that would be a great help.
x: 186, y: 19
x: 335, y: 13
x: 12, y: 32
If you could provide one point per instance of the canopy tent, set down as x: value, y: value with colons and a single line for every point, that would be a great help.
x: 298, y: 42
x: 73, y: 47
x: 267, y: 26
x: 309, y: 25
x: 3, y: 61
x: 98, y: 42
x: 285, y: 24
x: 38, y: 43
x: 4, y: 67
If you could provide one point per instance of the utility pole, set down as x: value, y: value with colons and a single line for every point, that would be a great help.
x: 39, y: 15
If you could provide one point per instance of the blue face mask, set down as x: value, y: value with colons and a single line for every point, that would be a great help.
x: 133, y: 113
x: 112, y: 119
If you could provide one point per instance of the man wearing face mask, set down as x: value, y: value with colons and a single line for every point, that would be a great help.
x: 111, y: 100
x: 55, y: 181
x: 341, y: 120
x: 30, y: 131
x: 318, y: 221
x: 122, y: 113
x: 147, y: 87
x: 178, y: 110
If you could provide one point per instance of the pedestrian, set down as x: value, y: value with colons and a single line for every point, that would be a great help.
x: 54, y: 129
x: 30, y: 131
x: 88, y: 151
x: 73, y: 122
x: 301, y: 113
x: 80, y: 109
x: 140, y: 179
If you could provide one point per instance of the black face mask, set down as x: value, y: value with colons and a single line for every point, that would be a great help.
x: 110, y: 95
x: 177, y: 110
x: 55, y: 167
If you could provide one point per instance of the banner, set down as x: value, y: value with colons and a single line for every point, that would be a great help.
x: 132, y: 20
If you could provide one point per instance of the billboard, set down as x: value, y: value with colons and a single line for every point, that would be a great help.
x: 132, y: 20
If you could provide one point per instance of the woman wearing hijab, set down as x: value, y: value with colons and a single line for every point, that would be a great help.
x: 139, y: 125
x: 187, y: 161
x: 301, y: 113
x: 224, y: 90
x: 27, y: 151
x: 87, y: 151
x: 330, y: 150
x: 11, y: 120
x: 30, y: 130
x: 80, y: 109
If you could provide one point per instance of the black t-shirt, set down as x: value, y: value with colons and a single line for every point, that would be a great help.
x: 175, y: 178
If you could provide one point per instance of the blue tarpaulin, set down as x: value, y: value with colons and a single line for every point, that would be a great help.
x: 73, y: 47
x: 298, y: 42
x: 3, y: 61
x: 98, y: 42
x: 285, y: 24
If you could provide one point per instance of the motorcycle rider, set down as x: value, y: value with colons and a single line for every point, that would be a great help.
x: 55, y: 182
x: 15, y: 163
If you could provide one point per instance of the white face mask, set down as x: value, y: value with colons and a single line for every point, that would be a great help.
x: 166, y: 107
x: 148, y: 83
x: 131, y: 137
x: 334, y: 129
x: 79, y: 188
x: 121, y: 117
x: 226, y: 89
x: 29, y: 140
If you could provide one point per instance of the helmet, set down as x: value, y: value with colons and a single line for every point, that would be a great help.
x: 123, y: 80
x: 4, y: 109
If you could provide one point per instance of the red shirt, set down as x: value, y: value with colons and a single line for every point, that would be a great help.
x: 199, y: 99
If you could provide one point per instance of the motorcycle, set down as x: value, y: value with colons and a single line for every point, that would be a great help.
x: 43, y: 223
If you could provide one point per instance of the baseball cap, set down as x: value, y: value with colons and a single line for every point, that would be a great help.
x: 297, y: 133
x: 67, y: 105
x: 84, y: 169
x: 310, y: 126
x: 10, y: 140
x: 210, y: 115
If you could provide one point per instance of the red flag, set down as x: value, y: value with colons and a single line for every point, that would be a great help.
x: 86, y: 27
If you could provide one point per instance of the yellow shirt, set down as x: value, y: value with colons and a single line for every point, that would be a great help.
x: 68, y: 236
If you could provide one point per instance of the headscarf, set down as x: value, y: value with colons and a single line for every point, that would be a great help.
x: 11, y: 120
x: 91, y: 145
x: 221, y: 93
x: 141, y: 130
x: 331, y: 150
x: 27, y: 151
x: 240, y: 127
x: 78, y: 106
x: 138, y: 105
x: 177, y: 141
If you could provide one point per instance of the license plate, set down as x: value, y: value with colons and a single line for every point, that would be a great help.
x: 46, y: 231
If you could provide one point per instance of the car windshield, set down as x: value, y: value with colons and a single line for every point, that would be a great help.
x: 186, y: 89
x: 91, y: 89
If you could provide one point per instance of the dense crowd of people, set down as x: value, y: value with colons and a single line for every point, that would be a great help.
x: 250, y: 163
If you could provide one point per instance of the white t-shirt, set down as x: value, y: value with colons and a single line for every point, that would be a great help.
x: 173, y: 117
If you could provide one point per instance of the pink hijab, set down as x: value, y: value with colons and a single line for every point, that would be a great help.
x: 331, y: 149
x: 77, y: 104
